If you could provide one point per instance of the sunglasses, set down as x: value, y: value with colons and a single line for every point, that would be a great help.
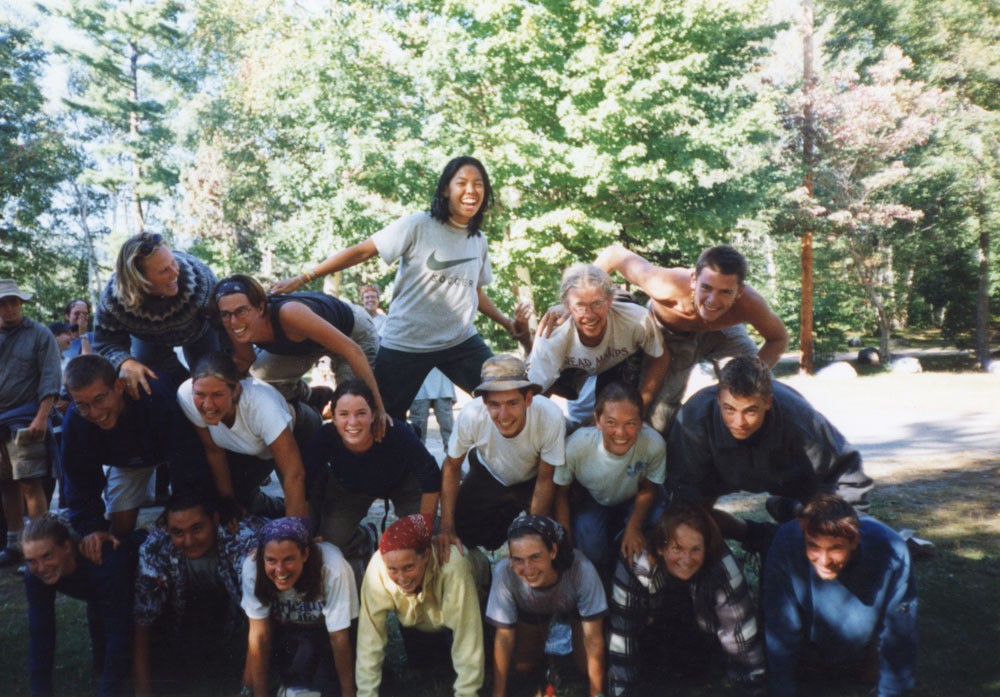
x: 150, y: 245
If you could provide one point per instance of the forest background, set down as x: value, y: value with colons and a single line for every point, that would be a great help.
x: 264, y: 135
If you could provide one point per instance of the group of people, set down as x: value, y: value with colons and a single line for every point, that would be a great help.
x: 608, y: 519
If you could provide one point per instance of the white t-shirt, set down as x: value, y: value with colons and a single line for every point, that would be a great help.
x: 261, y: 415
x: 436, y: 386
x: 336, y: 606
x: 613, y: 479
x: 630, y: 328
x: 512, y: 460
x: 435, y: 298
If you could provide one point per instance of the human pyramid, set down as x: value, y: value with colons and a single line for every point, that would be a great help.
x: 612, y: 530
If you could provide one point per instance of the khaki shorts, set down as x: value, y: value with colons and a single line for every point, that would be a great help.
x: 29, y: 461
x: 127, y: 487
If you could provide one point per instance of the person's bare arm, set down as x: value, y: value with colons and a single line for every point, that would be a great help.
x: 300, y: 322
x: 655, y: 281
x: 503, y: 649
x: 561, y: 506
x: 343, y: 660
x: 344, y: 259
x: 259, y: 656
x: 40, y: 424
x: 243, y: 354
x: 654, y: 370
x: 451, y: 475
x: 755, y: 310
x: 545, y: 489
x: 633, y: 541
x: 288, y: 460
x: 593, y: 645
x: 140, y: 661
x: 429, y: 503
x: 487, y: 307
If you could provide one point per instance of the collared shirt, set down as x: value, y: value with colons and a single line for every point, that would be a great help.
x: 29, y: 364
x: 796, y: 453
x: 163, y: 574
x: 723, y: 606
x: 872, y: 601
x: 447, y: 600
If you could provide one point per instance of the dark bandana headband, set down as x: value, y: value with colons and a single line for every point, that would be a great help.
x: 293, y: 528
x: 231, y: 287
x: 549, y: 530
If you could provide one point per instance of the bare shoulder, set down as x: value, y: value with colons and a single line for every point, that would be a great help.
x: 751, y: 307
x: 667, y: 286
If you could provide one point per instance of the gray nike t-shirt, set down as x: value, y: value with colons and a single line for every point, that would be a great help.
x: 434, y: 301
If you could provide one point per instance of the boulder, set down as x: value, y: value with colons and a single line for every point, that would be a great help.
x: 907, y: 365
x: 869, y: 356
x: 837, y: 371
x: 854, y: 342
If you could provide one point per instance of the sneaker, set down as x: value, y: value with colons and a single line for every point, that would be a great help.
x: 319, y: 397
x: 10, y: 555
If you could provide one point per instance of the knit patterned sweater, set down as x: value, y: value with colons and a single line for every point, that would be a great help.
x: 175, y: 321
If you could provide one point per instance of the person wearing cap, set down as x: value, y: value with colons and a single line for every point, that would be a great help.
x: 29, y: 384
x: 444, y: 268
x: 301, y: 597
x: 188, y: 624
x: 544, y: 578
x: 112, y: 445
x: 599, y: 338
x: 515, y: 440
x: 156, y: 300
x: 436, y: 604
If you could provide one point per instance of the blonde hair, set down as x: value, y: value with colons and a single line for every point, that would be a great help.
x: 585, y: 276
x: 131, y: 285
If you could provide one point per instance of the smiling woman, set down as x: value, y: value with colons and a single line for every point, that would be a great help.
x: 443, y: 266
x: 300, y: 597
x: 156, y: 300
x: 247, y: 430
x: 436, y: 604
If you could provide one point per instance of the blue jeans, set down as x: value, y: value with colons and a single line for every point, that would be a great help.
x: 159, y: 357
x: 596, y: 527
x: 400, y: 374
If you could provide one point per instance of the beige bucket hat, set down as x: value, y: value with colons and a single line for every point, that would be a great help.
x: 505, y: 372
x: 8, y: 287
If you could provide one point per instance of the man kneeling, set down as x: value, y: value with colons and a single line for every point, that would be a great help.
x: 187, y: 599
x: 840, y: 591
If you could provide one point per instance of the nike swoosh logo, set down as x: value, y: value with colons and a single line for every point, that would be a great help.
x: 435, y: 265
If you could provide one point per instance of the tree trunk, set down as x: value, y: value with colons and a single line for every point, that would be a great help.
x: 983, y: 357
x: 93, y: 270
x: 806, y: 309
x: 133, y: 132
x: 867, y: 278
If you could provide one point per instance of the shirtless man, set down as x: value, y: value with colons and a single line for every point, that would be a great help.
x: 701, y: 313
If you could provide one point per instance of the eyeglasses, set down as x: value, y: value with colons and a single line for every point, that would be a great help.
x: 239, y: 313
x: 150, y: 245
x: 580, y: 308
x: 100, y: 402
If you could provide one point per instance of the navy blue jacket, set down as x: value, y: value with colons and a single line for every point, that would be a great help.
x: 151, y: 431
x: 872, y: 601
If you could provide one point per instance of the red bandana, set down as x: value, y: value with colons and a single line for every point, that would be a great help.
x: 412, y: 532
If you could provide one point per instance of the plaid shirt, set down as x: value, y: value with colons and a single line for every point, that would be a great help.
x: 722, y: 606
x: 163, y: 574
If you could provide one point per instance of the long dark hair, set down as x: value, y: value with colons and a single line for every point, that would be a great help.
x: 310, y: 583
x: 356, y: 387
x: 439, y: 205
